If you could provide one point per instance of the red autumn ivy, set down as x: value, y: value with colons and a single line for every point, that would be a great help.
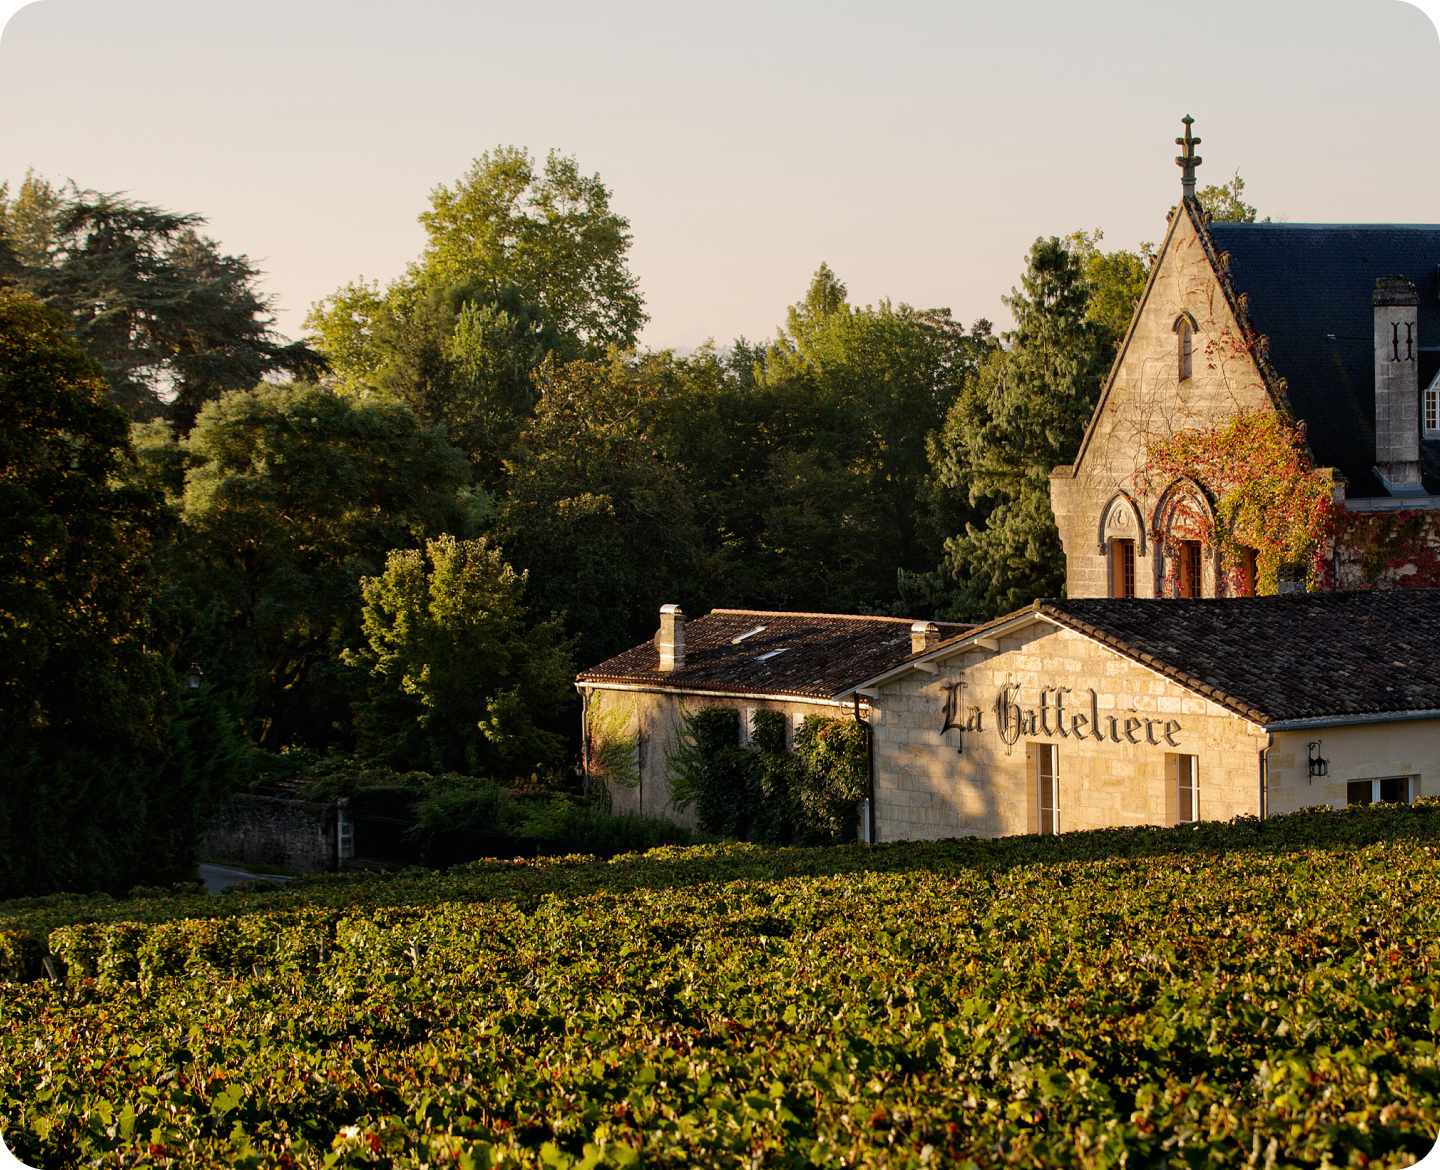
x: 1266, y: 493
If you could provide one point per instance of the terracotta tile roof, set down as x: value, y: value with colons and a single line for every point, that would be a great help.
x: 802, y: 654
x: 1278, y: 658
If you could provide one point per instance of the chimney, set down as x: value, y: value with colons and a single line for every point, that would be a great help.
x: 923, y: 635
x: 1397, y: 386
x: 670, y: 639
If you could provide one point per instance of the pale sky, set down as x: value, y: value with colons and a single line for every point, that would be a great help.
x: 918, y: 148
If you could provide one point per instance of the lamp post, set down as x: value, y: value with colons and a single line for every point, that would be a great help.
x: 195, y: 674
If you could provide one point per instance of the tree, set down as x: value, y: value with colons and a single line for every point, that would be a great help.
x: 596, y: 511
x: 1023, y: 413
x: 292, y: 494
x: 1117, y: 279
x: 89, y: 800
x: 807, y: 459
x: 550, y: 234
x: 458, y: 680
x: 173, y: 322
x: 1224, y: 202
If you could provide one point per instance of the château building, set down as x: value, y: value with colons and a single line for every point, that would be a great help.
x: 1161, y: 690
x: 1334, y: 326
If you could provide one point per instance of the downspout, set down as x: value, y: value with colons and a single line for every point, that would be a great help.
x: 869, y: 772
x: 585, y: 739
x: 1265, y: 774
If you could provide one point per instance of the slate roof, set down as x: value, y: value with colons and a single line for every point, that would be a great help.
x: 1309, y: 288
x: 819, y: 653
x: 1298, y: 656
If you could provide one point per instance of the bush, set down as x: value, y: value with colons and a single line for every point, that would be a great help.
x: 765, y: 793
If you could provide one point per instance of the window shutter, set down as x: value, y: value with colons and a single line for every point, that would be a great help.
x: 1172, y: 788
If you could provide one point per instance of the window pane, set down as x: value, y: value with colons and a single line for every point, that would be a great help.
x: 1357, y: 792
x: 1045, y: 766
x: 1395, y: 790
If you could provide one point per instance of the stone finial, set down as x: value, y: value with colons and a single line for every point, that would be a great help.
x: 1188, y: 161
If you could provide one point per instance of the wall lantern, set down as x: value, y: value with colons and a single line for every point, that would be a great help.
x: 195, y: 674
x: 1319, y: 765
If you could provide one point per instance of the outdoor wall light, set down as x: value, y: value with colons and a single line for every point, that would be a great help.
x: 1319, y: 765
x: 195, y: 674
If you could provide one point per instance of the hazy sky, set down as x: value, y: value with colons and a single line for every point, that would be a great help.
x: 918, y: 148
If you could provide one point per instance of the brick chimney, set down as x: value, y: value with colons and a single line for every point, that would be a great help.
x: 670, y: 639
x: 1397, y: 386
x: 923, y: 635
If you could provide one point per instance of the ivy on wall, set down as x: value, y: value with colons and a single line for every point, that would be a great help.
x: 1266, y: 493
x: 764, y: 792
x: 1385, y: 549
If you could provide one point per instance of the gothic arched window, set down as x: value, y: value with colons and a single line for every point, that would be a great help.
x: 1184, y: 345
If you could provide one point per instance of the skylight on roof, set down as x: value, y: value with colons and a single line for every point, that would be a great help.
x: 769, y: 654
x: 747, y: 634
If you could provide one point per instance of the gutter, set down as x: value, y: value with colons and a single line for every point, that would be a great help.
x: 760, y: 696
x: 869, y: 773
x: 1320, y: 721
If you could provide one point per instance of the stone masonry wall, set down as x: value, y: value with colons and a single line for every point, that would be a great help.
x: 1374, y: 751
x: 271, y: 831
x: 1147, y: 397
x: 926, y: 788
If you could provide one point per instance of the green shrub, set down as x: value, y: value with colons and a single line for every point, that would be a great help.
x: 766, y: 793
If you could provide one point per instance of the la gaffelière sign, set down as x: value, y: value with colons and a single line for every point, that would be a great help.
x: 1054, y: 716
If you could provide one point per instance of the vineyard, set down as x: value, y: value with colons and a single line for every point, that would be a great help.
x: 1259, y: 994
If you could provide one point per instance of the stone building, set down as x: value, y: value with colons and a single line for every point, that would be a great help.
x: 750, y: 660
x: 1087, y: 714
x: 1336, y: 326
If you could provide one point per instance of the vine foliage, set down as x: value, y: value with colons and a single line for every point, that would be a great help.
x: 1266, y: 492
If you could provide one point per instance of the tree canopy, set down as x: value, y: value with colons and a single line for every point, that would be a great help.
x: 173, y: 321
x: 89, y: 799
x: 1023, y: 413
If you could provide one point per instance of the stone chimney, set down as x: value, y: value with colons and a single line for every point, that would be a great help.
x: 1397, y: 386
x: 670, y: 638
x: 923, y: 635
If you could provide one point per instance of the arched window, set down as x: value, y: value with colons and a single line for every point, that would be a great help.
x: 1184, y: 345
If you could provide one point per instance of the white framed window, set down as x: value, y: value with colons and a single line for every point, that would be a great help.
x: 1187, y: 790
x: 1047, y: 788
x: 1430, y: 409
x: 1387, y: 790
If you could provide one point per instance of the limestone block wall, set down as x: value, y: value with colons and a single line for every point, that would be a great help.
x: 1374, y: 751
x: 1146, y: 397
x: 654, y: 719
x: 933, y: 783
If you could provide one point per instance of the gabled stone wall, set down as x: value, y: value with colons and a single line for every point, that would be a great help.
x: 933, y: 783
x: 1101, y: 497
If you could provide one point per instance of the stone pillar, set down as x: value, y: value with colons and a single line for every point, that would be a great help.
x: 670, y: 640
x: 1397, y: 386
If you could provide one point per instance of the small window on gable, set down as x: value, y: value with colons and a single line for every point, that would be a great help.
x: 1430, y: 410
x: 1185, y: 344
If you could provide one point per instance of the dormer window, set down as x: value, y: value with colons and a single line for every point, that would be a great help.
x: 1184, y: 345
x: 1430, y: 409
